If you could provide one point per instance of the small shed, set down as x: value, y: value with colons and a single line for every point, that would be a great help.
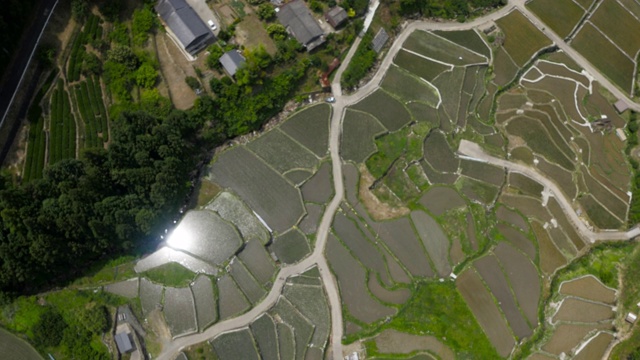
x: 621, y: 135
x: 379, y: 40
x: 336, y: 16
x: 123, y: 342
x: 631, y: 318
x: 621, y: 106
x: 232, y: 61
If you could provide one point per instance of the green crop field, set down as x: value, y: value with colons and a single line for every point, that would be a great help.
x: 408, y: 88
x: 523, y: 39
x: 310, y: 127
x: 16, y: 348
x: 62, y: 126
x: 505, y: 68
x: 619, y: 25
x: 560, y: 15
x: 418, y: 65
x: 612, y: 62
x: 435, y: 47
x: 388, y: 110
x: 469, y: 39
x: 358, y: 130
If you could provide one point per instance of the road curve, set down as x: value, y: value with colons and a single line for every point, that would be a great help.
x: 473, y: 151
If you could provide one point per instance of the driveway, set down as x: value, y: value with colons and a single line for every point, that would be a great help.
x: 204, y: 11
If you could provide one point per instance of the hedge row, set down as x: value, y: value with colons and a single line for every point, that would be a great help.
x: 62, y: 127
x: 36, y: 149
x: 93, y: 125
x: 97, y: 91
x: 92, y: 31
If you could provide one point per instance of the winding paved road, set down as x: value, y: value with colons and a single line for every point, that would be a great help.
x: 471, y: 150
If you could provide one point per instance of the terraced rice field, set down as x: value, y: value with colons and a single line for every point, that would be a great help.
x: 421, y: 66
x: 291, y: 247
x: 261, y: 187
x: 384, y: 107
x: 615, y: 65
x: 409, y: 88
x: 179, y: 311
x: 358, y: 130
x: 16, y: 347
x: 310, y: 127
x: 618, y: 25
x: 561, y: 16
x: 523, y: 39
x: 469, y: 39
x: 437, y: 48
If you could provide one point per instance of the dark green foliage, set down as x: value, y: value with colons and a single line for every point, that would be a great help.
x: 632, y: 142
x: 111, y: 9
x: 79, y: 9
x: 143, y: 22
x: 94, y: 319
x: 213, y: 59
x: 120, y: 34
x: 192, y: 82
x: 62, y: 127
x: 446, y: 8
x: 266, y: 11
x: 14, y: 19
x: 49, y: 328
x: 84, y: 209
x: 360, y: 64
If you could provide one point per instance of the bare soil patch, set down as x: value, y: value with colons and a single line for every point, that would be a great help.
x: 251, y: 33
x: 589, y: 287
x: 582, y: 311
x: 175, y: 68
x: 395, y: 342
x: 568, y: 336
x: 376, y: 208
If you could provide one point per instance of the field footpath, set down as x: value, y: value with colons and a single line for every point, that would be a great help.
x: 472, y: 151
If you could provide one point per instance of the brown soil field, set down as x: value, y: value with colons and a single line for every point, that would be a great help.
x: 394, y: 342
x: 524, y: 279
x: 568, y: 336
x: 509, y: 216
x: 378, y: 209
x: 518, y: 239
x: 493, y: 276
x: 550, y: 257
x: 577, y: 310
x: 440, y: 199
x: 471, y: 232
x: 527, y: 205
x: 596, y: 348
x: 485, y: 310
x: 251, y: 33
x: 589, y: 287
x: 539, y: 356
x: 175, y: 68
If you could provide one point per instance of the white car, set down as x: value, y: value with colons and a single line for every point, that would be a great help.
x: 212, y: 25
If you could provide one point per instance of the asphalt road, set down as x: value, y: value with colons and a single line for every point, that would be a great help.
x: 15, y: 74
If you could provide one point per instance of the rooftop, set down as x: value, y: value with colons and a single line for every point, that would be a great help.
x: 621, y: 106
x: 336, y: 16
x: 183, y: 21
x: 296, y: 17
x: 232, y: 61
x: 123, y: 342
x: 379, y: 40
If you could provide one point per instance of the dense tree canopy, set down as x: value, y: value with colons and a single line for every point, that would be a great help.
x: 83, y: 209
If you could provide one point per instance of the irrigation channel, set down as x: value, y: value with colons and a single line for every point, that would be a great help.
x: 468, y: 149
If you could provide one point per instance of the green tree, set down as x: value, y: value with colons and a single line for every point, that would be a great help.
x: 277, y: 31
x: 266, y: 11
x: 192, y: 82
x: 49, y: 328
x: 123, y: 55
x: 91, y: 64
x: 146, y: 76
x: 79, y: 9
x: 213, y: 59
x: 94, y: 318
x: 142, y: 23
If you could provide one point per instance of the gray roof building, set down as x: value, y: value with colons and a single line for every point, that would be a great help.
x: 297, y: 19
x: 192, y: 33
x: 232, y: 61
x: 379, y: 40
x: 123, y: 342
x: 621, y: 106
x: 336, y: 16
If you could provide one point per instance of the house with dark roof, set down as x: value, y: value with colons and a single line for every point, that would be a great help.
x: 185, y: 26
x: 232, y: 61
x: 297, y: 19
x: 336, y: 16
x: 379, y: 40
x: 123, y: 343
